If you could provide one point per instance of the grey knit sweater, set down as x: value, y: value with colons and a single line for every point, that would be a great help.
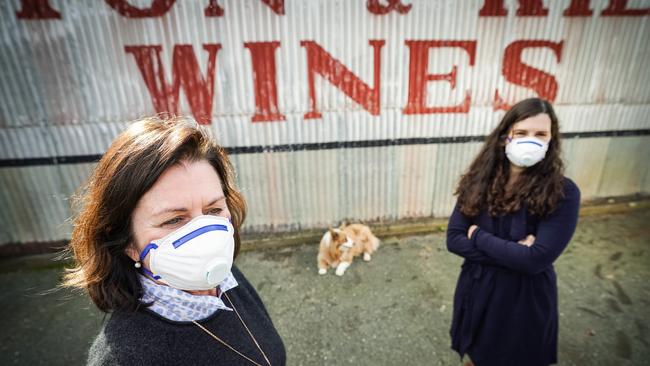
x: 145, y: 338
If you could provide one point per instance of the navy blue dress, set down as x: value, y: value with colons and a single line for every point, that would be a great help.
x: 505, y: 305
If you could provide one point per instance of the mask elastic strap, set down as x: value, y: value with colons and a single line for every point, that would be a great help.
x: 146, y: 250
x: 143, y: 255
x: 150, y: 274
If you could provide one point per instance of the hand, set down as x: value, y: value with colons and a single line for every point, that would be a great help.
x: 528, y: 241
x: 471, y: 230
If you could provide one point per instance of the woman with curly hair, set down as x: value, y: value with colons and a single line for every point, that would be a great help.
x: 515, y: 214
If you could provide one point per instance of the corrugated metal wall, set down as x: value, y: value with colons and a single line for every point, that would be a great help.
x: 69, y: 84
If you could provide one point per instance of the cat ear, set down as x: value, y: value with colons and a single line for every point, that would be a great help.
x: 333, y: 232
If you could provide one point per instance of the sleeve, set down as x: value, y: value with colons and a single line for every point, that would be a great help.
x: 457, y: 241
x: 117, y: 343
x: 553, y: 235
x: 100, y: 354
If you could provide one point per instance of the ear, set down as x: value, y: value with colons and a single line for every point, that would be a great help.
x: 504, y: 139
x: 132, y: 252
x: 333, y: 233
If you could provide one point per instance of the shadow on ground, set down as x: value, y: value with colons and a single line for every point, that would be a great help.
x: 395, y: 309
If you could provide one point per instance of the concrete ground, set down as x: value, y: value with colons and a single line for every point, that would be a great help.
x: 394, y: 310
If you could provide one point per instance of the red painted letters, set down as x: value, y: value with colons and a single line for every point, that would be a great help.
x: 213, y: 10
x: 496, y: 8
x: 617, y: 8
x: 199, y: 88
x: 266, y: 95
x: 157, y: 8
x: 519, y: 73
x: 374, y: 7
x: 161, y: 7
x: 276, y: 5
x: 185, y: 73
x: 37, y: 9
x: 41, y: 9
x: 418, y: 77
x: 321, y: 62
x: 578, y: 8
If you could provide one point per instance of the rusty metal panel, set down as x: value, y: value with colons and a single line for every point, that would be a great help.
x: 333, y: 109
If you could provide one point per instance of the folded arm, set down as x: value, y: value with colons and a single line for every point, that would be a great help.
x: 457, y: 241
x: 553, y: 235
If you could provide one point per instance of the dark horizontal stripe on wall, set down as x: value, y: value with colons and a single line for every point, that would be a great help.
x: 78, y: 159
x: 353, y: 144
x: 621, y: 133
x: 53, y: 160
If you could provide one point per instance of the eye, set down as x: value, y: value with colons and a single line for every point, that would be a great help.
x: 520, y: 133
x: 172, y: 222
x: 215, y: 211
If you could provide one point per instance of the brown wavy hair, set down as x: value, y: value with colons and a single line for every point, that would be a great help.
x: 539, y: 187
x: 102, y: 228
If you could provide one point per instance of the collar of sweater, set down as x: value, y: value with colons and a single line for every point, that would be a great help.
x: 181, y: 306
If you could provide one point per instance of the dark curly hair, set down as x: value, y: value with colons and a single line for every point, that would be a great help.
x: 539, y: 187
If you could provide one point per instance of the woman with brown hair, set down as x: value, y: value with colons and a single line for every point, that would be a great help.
x: 154, y: 243
x: 515, y: 214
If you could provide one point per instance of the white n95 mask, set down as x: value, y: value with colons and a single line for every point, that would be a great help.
x: 526, y: 151
x: 196, y: 256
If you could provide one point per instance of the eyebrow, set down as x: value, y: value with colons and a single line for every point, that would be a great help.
x: 525, y: 130
x: 183, y: 209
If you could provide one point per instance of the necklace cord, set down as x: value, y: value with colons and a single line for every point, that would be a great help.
x: 248, y: 330
x: 222, y: 341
